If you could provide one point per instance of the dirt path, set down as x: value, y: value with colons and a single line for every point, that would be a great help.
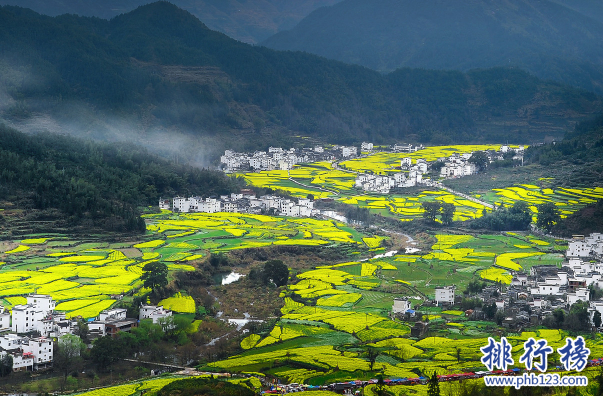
x: 460, y: 194
x: 315, y: 187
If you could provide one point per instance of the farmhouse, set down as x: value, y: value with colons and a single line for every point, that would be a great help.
x: 27, y: 353
x: 444, y: 295
x: 245, y: 203
x: 401, y: 305
x: 153, y: 312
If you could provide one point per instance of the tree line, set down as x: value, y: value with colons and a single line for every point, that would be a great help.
x: 100, y: 183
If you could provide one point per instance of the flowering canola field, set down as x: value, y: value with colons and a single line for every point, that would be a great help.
x: 568, y: 200
x: 322, y: 181
x: 386, y: 163
x: 332, y: 313
x: 84, y: 277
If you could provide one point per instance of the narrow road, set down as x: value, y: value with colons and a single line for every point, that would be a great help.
x: 315, y: 187
x: 460, y: 194
x: 156, y: 364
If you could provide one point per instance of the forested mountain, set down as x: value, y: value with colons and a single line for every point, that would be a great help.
x: 163, y: 71
x: 560, y: 40
x: 590, y: 8
x: 94, y: 184
x: 247, y: 21
x: 581, y: 152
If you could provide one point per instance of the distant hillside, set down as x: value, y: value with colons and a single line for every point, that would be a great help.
x: 92, y: 185
x: 158, y: 71
x: 590, y: 8
x: 584, y: 222
x: 581, y: 153
x: 247, y: 21
x: 560, y: 40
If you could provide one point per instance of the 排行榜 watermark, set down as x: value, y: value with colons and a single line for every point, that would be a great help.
x: 573, y: 355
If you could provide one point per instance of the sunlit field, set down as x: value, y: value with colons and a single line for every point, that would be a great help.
x: 332, y: 313
x: 87, y: 277
x: 568, y: 200
x: 386, y: 163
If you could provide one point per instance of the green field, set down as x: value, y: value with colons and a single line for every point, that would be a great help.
x: 84, y: 276
x: 322, y: 181
x: 330, y: 342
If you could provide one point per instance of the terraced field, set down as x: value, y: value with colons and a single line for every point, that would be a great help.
x: 151, y: 386
x: 322, y: 181
x: 84, y: 277
x: 568, y: 200
x: 333, y: 313
x: 388, y: 163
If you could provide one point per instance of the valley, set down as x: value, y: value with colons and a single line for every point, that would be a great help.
x: 332, y: 321
x: 324, y: 197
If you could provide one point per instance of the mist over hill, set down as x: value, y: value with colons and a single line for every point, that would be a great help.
x: 160, y: 77
x: 561, y: 40
x: 247, y: 21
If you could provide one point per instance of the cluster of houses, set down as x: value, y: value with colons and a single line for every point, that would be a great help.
x: 455, y: 166
x: 410, y: 176
x: 282, y: 159
x: 458, y: 165
x: 532, y: 296
x: 243, y: 202
x: 28, y: 331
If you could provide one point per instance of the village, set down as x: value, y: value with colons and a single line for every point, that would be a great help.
x: 531, y: 297
x: 411, y: 174
x: 426, y: 174
x: 243, y: 202
x: 277, y: 158
x: 29, y: 330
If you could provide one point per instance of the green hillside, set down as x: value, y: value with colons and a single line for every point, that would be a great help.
x: 161, y: 69
x: 82, y: 183
x: 553, y: 39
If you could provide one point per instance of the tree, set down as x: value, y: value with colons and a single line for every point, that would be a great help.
x: 559, y: 317
x: 490, y: 310
x: 548, y: 216
x: 433, y: 386
x: 67, y: 355
x: 499, y: 316
x: 275, y: 271
x: 105, y: 351
x: 81, y: 330
x: 599, y: 379
x: 380, y: 391
x: 474, y: 287
x: 594, y: 292
x: 480, y: 159
x: 218, y: 260
x: 6, y: 364
x: 522, y: 215
x: 458, y: 354
x: 431, y: 210
x: 578, y: 318
x: 597, y: 319
x: 448, y: 210
x: 154, y: 275
x: 372, y: 354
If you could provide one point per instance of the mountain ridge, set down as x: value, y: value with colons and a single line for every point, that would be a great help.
x: 249, y: 22
x: 165, y: 72
x: 547, y: 38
